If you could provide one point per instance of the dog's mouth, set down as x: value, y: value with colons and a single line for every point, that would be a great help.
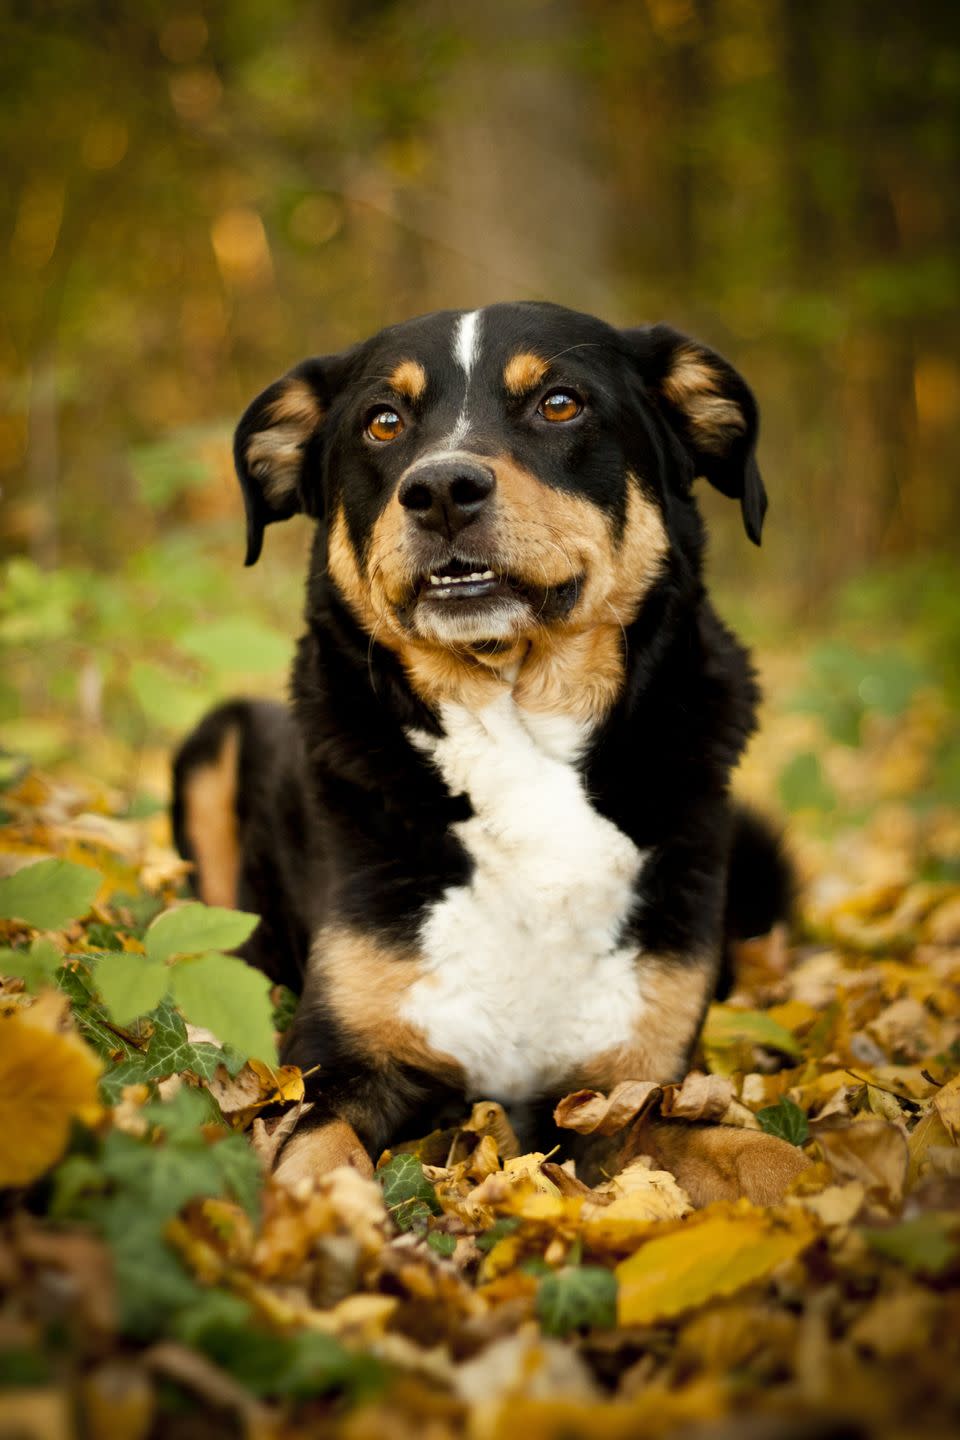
x: 470, y: 587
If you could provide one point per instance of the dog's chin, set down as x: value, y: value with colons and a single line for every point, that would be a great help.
x: 499, y: 620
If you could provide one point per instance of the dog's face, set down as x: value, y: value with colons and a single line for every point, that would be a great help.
x: 492, y: 476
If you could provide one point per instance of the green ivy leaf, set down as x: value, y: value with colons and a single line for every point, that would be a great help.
x: 497, y: 1232
x: 229, y: 997
x: 131, y: 985
x: 182, y: 1117
x: 152, y: 1284
x: 75, y: 980
x: 161, y: 1177
x: 169, y: 1052
x: 407, y: 1192
x: 48, y: 894
x: 928, y: 1244
x: 298, y: 1364
x: 573, y: 1299
x: 36, y: 966
x: 441, y: 1242
x: 785, y: 1120
x: 194, y: 928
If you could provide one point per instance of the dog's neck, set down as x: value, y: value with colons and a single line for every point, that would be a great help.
x: 576, y: 674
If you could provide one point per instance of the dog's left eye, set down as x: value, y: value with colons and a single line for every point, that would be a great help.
x: 560, y: 405
x: 384, y: 424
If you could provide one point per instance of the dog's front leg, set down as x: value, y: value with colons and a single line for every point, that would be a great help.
x: 351, y: 1118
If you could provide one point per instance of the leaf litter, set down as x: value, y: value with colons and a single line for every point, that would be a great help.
x: 773, y: 1242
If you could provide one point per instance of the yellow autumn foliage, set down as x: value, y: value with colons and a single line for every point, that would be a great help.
x: 47, y: 1077
x: 701, y: 1261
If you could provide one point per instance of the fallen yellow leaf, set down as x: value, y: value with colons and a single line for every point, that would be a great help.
x: 700, y: 1261
x: 47, y: 1076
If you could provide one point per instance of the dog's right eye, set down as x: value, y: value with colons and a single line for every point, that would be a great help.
x: 384, y: 424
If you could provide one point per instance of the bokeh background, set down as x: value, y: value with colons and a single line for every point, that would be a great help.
x: 198, y: 194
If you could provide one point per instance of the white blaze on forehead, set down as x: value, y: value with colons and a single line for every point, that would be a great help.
x: 466, y: 340
x: 466, y: 348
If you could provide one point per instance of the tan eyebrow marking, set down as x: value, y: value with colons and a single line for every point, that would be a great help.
x: 523, y: 372
x: 409, y: 378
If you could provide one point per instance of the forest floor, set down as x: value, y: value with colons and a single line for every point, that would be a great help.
x: 157, y: 1283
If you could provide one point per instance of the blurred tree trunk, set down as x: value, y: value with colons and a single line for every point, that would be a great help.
x: 517, y: 208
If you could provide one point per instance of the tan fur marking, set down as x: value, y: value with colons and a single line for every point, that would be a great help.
x: 365, y: 983
x: 311, y: 1153
x: 209, y: 797
x: 410, y: 379
x: 676, y: 993
x: 523, y: 372
x: 694, y: 386
x: 275, y: 454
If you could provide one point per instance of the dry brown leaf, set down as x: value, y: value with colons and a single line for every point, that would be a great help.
x: 870, y: 1151
x: 589, y: 1112
x: 905, y: 1029
x: 837, y: 1204
x: 946, y: 1102
x: 943, y: 924
x: 698, y: 1097
x: 524, y: 1364
x: 488, y: 1118
x: 255, y: 1086
x: 897, y: 1325
x: 82, y: 1263
x: 195, y: 1372
x: 635, y: 1197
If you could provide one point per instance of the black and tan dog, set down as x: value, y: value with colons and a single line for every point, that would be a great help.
x: 492, y: 840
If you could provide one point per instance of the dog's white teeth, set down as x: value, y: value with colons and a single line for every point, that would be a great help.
x: 444, y: 580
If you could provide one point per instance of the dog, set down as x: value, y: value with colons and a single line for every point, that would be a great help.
x: 492, y: 840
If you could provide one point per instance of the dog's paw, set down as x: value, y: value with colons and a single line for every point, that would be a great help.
x: 316, y: 1151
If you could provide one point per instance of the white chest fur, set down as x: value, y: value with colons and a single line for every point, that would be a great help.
x: 524, y: 978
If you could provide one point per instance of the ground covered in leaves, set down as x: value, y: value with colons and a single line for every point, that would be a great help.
x: 156, y: 1282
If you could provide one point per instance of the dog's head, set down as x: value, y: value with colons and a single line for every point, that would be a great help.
x: 491, y: 476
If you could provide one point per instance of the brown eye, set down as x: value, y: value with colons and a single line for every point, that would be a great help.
x: 560, y: 405
x: 385, y: 424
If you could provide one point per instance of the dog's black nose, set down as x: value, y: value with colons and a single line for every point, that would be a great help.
x: 447, y: 495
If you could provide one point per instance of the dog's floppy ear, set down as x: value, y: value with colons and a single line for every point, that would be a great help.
x: 276, y: 448
x: 711, y: 409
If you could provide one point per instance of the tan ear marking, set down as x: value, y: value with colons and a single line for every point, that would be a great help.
x: 274, y: 454
x: 694, y: 387
x: 409, y: 379
x: 523, y: 372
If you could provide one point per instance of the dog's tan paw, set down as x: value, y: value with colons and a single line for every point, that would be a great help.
x: 722, y: 1162
x: 317, y: 1151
